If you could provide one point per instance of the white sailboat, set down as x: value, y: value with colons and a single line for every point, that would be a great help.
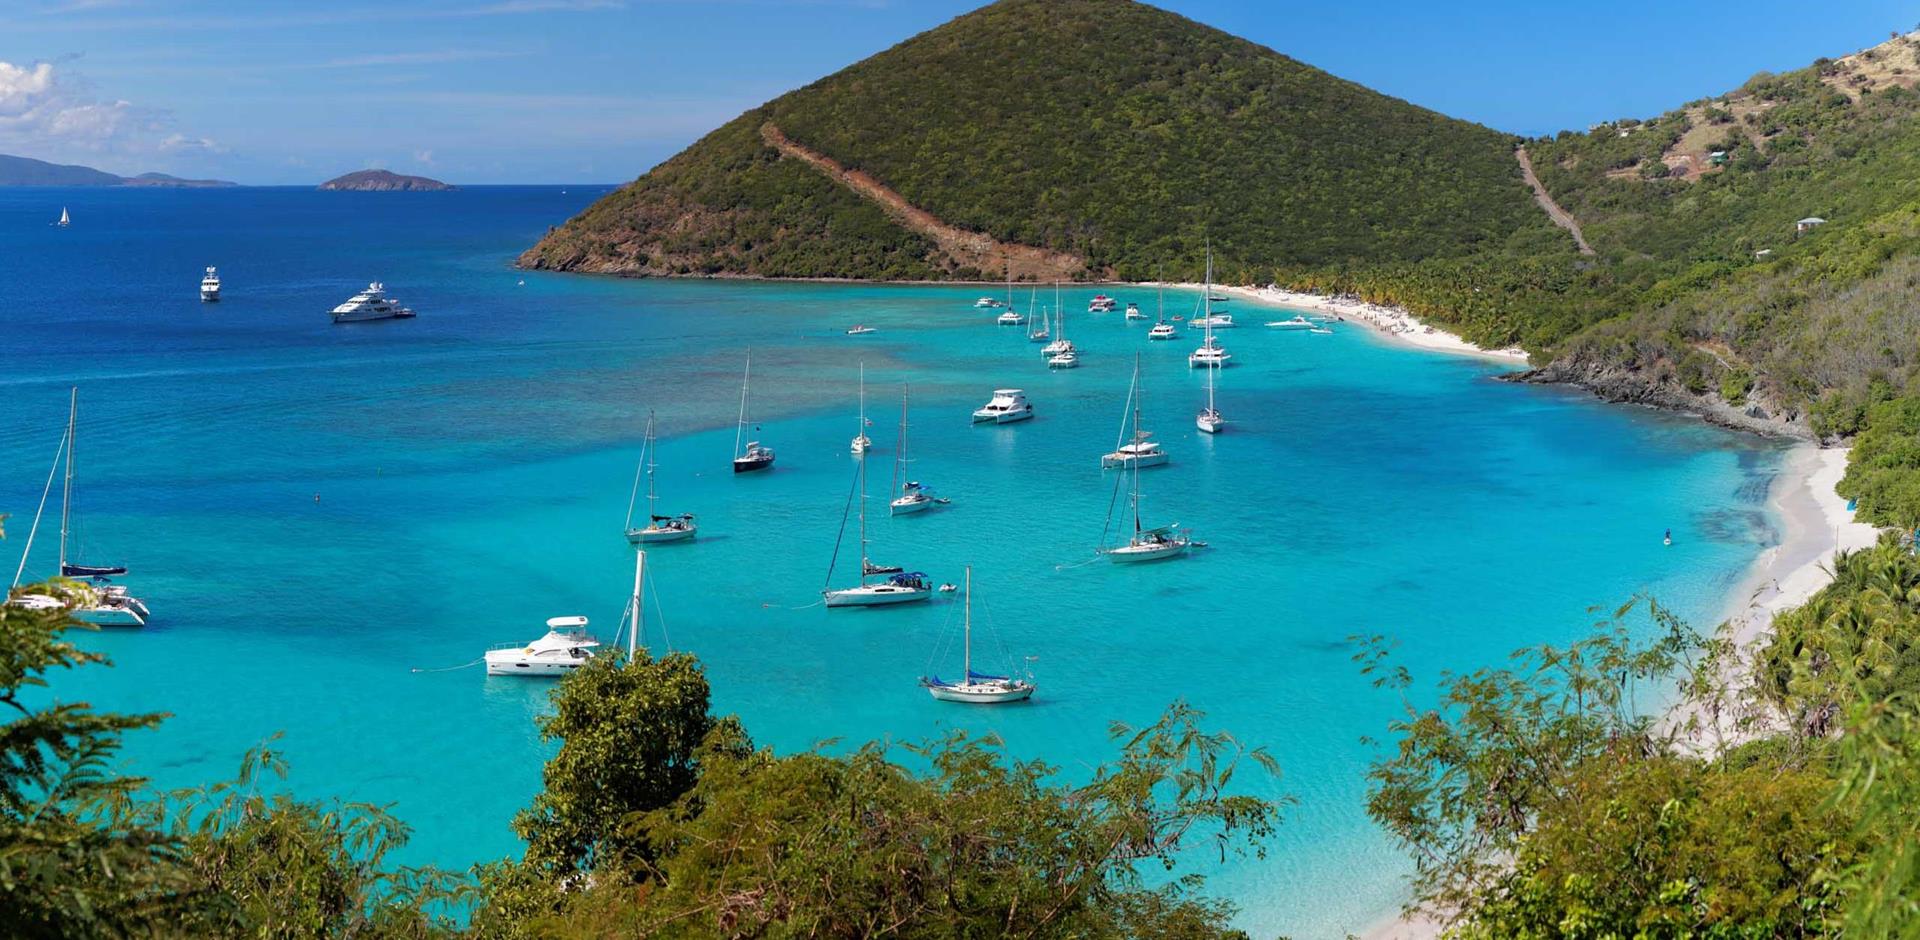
x: 976, y: 688
x: 914, y: 496
x: 96, y: 599
x: 1040, y: 335
x: 65, y: 220
x: 1155, y: 543
x: 1061, y: 345
x: 659, y: 528
x: 894, y: 585
x: 861, y: 442
x: 1209, y: 419
x: 754, y: 456
x: 1161, y: 328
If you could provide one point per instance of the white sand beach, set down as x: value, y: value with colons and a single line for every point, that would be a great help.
x: 1392, y: 322
x: 1815, y: 525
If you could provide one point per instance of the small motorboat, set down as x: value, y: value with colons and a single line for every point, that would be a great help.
x: 566, y: 647
x: 1133, y: 312
x: 861, y: 330
x: 1297, y: 323
x: 1007, y: 406
x: 986, y: 303
x: 1217, y: 321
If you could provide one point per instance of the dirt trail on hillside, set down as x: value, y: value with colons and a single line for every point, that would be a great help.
x: 1560, y: 217
x: 991, y: 257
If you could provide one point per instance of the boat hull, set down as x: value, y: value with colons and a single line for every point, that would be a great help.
x: 1132, y: 555
x: 653, y: 536
x: 877, y: 595
x: 751, y: 464
x: 369, y: 317
x: 1111, y: 461
x: 980, y: 695
x: 110, y: 616
x: 210, y: 296
x: 1210, y: 425
x: 532, y: 669
x: 901, y: 507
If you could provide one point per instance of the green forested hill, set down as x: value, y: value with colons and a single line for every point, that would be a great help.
x: 1108, y: 129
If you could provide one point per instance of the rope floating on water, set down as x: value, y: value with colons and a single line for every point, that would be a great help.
x: 452, y: 668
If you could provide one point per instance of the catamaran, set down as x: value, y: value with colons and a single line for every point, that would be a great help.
x: 1210, y: 355
x: 1161, y: 328
x: 976, y: 688
x: 1010, y: 318
x: 894, y: 585
x: 1007, y: 406
x: 861, y: 442
x: 754, y: 456
x: 914, y: 495
x: 1142, y: 450
x: 210, y: 286
x: 1100, y: 303
x: 659, y: 528
x: 1146, y: 544
x: 98, y: 601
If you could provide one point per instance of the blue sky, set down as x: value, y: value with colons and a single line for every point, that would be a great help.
x: 485, y: 91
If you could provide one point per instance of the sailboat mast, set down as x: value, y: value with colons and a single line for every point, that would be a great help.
x: 652, y: 462
x: 863, y: 521
x: 966, y: 642
x: 742, y: 428
x: 899, y: 487
x: 633, y: 635
x: 66, y: 492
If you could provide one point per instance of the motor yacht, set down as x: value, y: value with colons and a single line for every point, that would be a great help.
x: 1007, y: 406
x: 370, y: 304
x: 566, y: 647
x: 210, y: 286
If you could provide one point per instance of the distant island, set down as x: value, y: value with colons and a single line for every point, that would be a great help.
x: 383, y: 181
x: 26, y: 171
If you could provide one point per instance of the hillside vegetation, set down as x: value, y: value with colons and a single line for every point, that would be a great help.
x: 1106, y: 129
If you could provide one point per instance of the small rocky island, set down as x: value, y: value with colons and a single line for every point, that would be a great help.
x: 384, y: 181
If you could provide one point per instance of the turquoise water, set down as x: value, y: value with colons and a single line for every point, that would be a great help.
x: 472, y: 470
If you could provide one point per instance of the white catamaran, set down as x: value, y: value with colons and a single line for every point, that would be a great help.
x: 915, y: 496
x: 659, y: 528
x: 893, y: 585
x: 96, y: 600
x: 1142, y: 450
x: 976, y: 688
x: 754, y: 456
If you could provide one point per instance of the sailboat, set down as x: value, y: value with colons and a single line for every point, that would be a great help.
x: 1210, y: 355
x: 976, y: 688
x: 1142, y: 450
x: 1146, y: 544
x: 1161, y: 328
x: 914, y: 495
x: 754, y: 456
x: 1209, y: 419
x: 65, y: 220
x: 861, y: 442
x: 1061, y: 344
x: 99, y: 601
x: 894, y: 585
x: 659, y: 528
x: 1040, y: 335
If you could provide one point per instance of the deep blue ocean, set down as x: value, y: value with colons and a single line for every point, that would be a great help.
x: 472, y: 468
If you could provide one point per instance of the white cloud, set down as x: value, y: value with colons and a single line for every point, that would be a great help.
x: 419, y: 58
x: 423, y: 157
x: 48, y: 113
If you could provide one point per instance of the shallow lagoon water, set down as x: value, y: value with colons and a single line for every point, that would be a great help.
x: 472, y: 471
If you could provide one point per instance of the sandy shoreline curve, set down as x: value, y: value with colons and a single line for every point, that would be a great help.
x: 1815, y: 526
x: 1394, y: 323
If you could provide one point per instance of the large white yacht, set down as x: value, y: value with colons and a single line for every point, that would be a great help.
x: 210, y: 286
x: 1007, y: 406
x: 566, y: 647
x: 370, y: 304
